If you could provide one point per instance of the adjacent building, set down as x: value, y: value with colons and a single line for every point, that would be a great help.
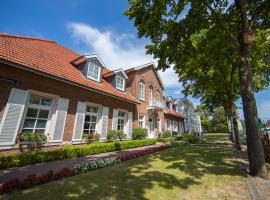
x: 192, y: 119
x: 49, y: 89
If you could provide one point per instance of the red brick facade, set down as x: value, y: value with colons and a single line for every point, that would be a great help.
x: 29, y: 80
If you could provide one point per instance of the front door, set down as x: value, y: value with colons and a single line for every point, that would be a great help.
x: 151, y: 126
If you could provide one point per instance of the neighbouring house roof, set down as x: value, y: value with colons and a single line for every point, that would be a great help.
x: 48, y: 58
x: 173, y: 113
x: 144, y: 67
x: 110, y: 73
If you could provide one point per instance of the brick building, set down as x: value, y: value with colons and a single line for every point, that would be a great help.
x: 46, y: 88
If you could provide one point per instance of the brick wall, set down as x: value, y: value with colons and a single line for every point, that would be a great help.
x: 29, y: 80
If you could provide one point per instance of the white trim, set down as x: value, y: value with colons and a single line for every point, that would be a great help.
x: 123, y: 88
x: 97, y: 57
x: 99, y: 71
x: 121, y: 70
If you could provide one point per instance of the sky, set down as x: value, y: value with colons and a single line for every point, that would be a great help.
x: 94, y: 26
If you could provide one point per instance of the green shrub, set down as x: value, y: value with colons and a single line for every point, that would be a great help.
x: 167, y: 134
x: 191, y: 138
x: 179, y: 137
x: 139, y: 133
x: 116, y: 135
x: 164, y: 140
x: 174, y: 134
x: 65, y: 152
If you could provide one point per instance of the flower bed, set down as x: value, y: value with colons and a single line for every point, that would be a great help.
x: 34, y: 179
x: 65, y: 152
x: 164, y: 140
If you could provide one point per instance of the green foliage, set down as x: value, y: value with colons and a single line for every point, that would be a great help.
x: 191, y: 138
x: 164, y: 140
x: 31, y: 137
x: 116, y: 135
x: 167, y: 134
x: 90, y: 136
x: 34, y: 157
x: 139, y: 133
x: 95, y: 164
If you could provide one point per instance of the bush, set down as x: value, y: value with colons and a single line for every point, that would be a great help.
x: 116, y: 135
x: 174, y: 134
x: 179, y: 137
x: 167, y: 134
x: 95, y: 164
x: 191, y: 138
x: 139, y: 133
x: 65, y: 152
x: 164, y: 140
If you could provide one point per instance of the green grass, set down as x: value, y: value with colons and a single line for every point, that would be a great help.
x: 175, y: 173
x: 217, y: 138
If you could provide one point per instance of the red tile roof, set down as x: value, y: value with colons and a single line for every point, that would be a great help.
x: 173, y: 113
x: 51, y: 58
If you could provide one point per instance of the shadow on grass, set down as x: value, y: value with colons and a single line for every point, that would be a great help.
x: 179, y: 167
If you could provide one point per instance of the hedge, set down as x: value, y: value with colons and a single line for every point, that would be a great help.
x: 65, y: 152
x: 164, y: 140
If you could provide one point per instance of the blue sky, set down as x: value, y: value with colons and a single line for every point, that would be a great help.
x: 93, y: 26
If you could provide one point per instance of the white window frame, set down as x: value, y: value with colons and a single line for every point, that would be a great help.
x: 51, y: 109
x: 123, y: 81
x: 143, y: 120
x: 124, y: 118
x: 142, y: 90
x: 99, y: 71
x: 150, y: 93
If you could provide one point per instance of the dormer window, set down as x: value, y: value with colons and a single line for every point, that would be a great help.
x: 120, y: 83
x: 93, y: 71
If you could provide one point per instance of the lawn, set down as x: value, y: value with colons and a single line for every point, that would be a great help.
x: 176, y: 173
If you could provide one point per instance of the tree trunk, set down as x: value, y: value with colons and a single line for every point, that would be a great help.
x: 236, y: 130
x: 254, y: 144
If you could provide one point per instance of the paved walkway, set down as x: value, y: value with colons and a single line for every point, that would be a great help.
x: 259, y: 187
x: 42, y: 168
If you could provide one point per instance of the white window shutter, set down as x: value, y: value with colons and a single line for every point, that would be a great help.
x: 60, y: 119
x: 12, y: 116
x: 115, y: 119
x: 79, y: 121
x: 129, y: 125
x: 104, y: 123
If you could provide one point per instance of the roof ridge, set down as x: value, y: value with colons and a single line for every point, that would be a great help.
x: 25, y: 37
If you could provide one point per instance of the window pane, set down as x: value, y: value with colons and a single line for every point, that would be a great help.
x: 25, y: 130
x: 29, y: 123
x: 87, y: 118
x: 94, y: 109
x: 46, y: 101
x: 34, y: 99
x: 121, y: 114
x: 93, y: 126
x: 31, y: 112
x: 41, y: 123
x: 86, y: 125
x: 93, y: 118
x: 43, y: 114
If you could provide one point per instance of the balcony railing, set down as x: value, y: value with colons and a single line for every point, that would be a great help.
x: 154, y: 103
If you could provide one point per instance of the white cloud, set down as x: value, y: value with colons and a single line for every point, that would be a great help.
x: 117, y: 50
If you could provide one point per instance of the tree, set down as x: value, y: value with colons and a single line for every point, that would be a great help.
x: 170, y: 26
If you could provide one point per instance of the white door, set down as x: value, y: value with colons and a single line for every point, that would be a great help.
x: 151, y: 126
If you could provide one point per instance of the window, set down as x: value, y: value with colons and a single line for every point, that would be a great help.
x: 141, y: 121
x: 174, y: 107
x: 121, y: 120
x: 168, y: 104
x: 93, y: 71
x: 37, y: 114
x: 150, y: 93
x: 158, y: 96
x: 120, y: 83
x: 141, y: 90
x: 175, y: 126
x: 91, y: 117
x: 168, y: 124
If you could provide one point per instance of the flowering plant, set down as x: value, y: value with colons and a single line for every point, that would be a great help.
x: 31, y: 137
x: 91, y: 136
